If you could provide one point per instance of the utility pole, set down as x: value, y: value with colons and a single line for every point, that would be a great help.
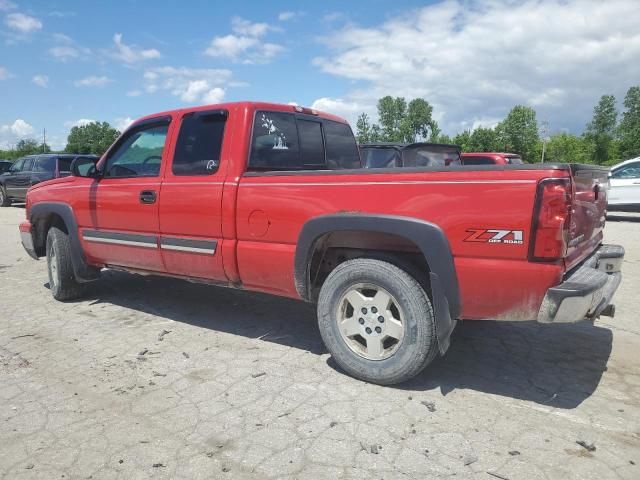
x: 544, y: 132
x: 44, y: 140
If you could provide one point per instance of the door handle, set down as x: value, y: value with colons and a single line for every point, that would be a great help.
x: 147, y: 196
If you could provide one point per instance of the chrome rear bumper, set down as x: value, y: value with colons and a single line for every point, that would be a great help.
x: 587, y: 291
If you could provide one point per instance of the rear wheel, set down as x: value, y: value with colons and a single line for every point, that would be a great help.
x: 4, y: 200
x: 62, y: 280
x: 377, y: 321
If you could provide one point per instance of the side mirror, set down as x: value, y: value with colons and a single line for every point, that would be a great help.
x: 85, y: 167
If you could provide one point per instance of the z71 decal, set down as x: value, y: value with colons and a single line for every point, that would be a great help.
x: 484, y: 235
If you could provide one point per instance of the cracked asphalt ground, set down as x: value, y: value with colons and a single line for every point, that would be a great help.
x: 160, y: 378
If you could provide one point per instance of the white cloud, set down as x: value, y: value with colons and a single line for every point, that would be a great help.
x: 62, y: 14
x: 4, y: 73
x: 41, y: 80
x: 122, y: 123
x: 245, y: 44
x: 288, y: 15
x: 245, y: 27
x: 11, y: 133
x: 556, y: 55
x: 6, y: 5
x: 19, y: 128
x: 134, y: 93
x: 132, y: 53
x: 78, y: 123
x: 346, y: 109
x: 93, y: 81
x: 67, y: 49
x: 191, y: 85
x: 22, y: 23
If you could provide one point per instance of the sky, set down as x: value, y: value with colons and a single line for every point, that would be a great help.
x: 65, y: 63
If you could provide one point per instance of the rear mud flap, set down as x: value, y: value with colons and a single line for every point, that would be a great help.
x: 444, y: 323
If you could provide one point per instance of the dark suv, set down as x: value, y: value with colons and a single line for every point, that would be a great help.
x: 28, y: 171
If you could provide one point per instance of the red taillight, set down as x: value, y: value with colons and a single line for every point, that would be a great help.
x: 551, y: 220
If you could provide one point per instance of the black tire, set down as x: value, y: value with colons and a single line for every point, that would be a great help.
x: 62, y: 281
x: 419, y: 344
x: 4, y: 200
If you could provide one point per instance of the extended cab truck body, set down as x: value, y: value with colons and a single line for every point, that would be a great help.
x: 272, y: 198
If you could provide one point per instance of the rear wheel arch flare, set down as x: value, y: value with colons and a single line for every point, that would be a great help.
x: 428, y: 237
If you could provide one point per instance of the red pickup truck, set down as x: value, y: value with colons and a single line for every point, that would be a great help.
x: 272, y: 198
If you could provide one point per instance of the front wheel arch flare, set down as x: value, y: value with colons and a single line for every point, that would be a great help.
x: 429, y: 238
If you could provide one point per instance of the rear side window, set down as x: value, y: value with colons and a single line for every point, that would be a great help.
x: 514, y: 160
x: 199, y: 143
x: 342, y: 151
x: 311, y: 144
x: 274, y: 144
x: 45, y: 165
x: 628, y: 171
x: 477, y: 161
x: 285, y: 141
x: 64, y: 165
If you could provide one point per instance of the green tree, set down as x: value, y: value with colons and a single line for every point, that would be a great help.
x: 518, y: 133
x: 92, y: 138
x: 463, y: 140
x: 27, y: 146
x: 629, y: 129
x: 418, y: 124
x: 391, y: 114
x: 567, y: 148
x: 364, y: 129
x: 600, y: 131
x: 399, y: 122
x: 483, y: 140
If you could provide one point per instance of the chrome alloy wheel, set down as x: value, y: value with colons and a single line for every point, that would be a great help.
x: 53, y: 267
x: 370, y: 321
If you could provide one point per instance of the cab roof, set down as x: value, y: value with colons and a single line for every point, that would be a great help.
x: 248, y: 105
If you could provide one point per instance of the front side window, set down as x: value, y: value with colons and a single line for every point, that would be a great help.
x: 139, y: 154
x: 628, y: 171
x: 342, y: 150
x: 274, y: 144
x: 199, y: 144
x: 17, y: 167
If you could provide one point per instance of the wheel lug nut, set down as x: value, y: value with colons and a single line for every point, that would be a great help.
x: 364, y: 310
x: 381, y: 319
x: 368, y: 330
x: 374, y: 310
x: 361, y: 321
x: 378, y: 329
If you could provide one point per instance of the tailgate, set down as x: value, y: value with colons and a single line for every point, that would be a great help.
x: 589, y: 205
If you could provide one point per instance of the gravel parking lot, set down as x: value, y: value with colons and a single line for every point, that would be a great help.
x: 155, y: 377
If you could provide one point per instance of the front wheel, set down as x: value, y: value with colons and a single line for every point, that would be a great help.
x: 4, y: 200
x: 377, y: 321
x: 62, y: 280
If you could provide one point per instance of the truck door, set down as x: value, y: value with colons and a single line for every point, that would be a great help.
x: 191, y: 198
x: 123, y: 204
x: 18, y: 182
